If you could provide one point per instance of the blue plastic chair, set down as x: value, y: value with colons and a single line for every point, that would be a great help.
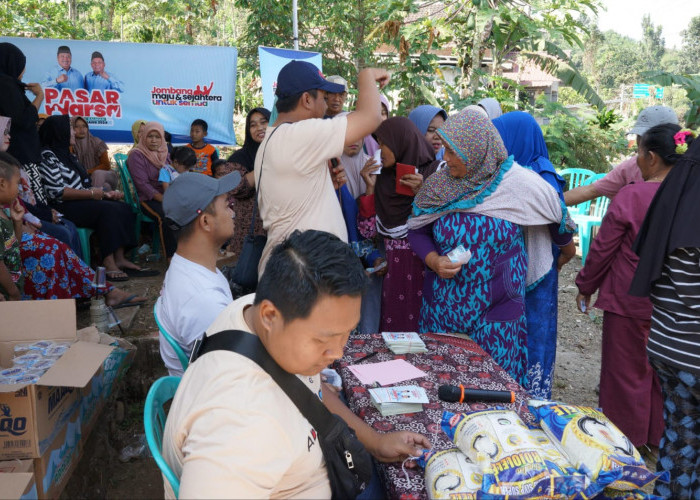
x: 589, y: 219
x: 162, y: 391
x: 131, y: 197
x: 577, y: 177
x: 184, y: 359
x: 84, y: 234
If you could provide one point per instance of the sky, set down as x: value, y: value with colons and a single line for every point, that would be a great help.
x: 625, y: 17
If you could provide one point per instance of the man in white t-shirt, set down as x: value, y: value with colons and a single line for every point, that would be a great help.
x: 292, y: 164
x: 232, y: 432
x: 194, y: 291
x: 627, y: 171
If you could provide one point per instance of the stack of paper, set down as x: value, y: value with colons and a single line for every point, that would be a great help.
x: 404, y: 342
x: 397, y: 400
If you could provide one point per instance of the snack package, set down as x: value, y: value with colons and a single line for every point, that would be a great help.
x: 594, y: 445
x: 450, y: 474
x: 611, y: 494
x: 459, y: 255
x: 507, y: 453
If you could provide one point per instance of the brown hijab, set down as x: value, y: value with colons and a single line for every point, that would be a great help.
x: 410, y: 147
x: 88, y: 149
x: 156, y: 158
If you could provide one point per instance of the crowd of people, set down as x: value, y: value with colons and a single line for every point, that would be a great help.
x: 348, y: 221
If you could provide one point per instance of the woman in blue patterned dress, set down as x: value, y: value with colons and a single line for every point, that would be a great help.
x: 480, y: 201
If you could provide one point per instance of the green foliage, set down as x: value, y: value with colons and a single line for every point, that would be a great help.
x: 653, y: 43
x: 690, y: 52
x: 574, y: 142
x: 605, y: 119
x: 690, y: 84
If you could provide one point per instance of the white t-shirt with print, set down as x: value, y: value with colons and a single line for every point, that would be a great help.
x: 191, y: 298
x: 232, y: 432
x: 296, y: 190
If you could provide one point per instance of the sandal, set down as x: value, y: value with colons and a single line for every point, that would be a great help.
x: 117, y: 276
x: 129, y: 302
x: 144, y: 272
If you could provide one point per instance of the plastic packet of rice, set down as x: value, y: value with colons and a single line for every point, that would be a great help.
x: 502, y: 445
x: 43, y: 365
x: 14, y: 372
x: 594, y: 445
x: 459, y: 255
x: 28, y: 359
x: 57, y: 349
x: 450, y: 474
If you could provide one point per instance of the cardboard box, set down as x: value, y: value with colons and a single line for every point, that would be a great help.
x: 32, y: 416
x: 55, y: 467
x: 17, y: 480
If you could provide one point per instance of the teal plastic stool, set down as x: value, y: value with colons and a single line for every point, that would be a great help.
x: 154, y: 417
x: 587, y: 220
x: 184, y: 360
x: 84, y: 234
x: 577, y: 177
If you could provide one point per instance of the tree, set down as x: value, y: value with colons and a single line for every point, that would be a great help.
x: 690, y: 51
x: 653, y: 43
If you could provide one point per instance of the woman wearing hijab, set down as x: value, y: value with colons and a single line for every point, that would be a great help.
x: 92, y: 154
x: 70, y: 192
x: 523, y: 139
x: 480, y: 201
x: 668, y: 272
x: 136, y: 129
x: 429, y: 119
x: 14, y: 104
x: 144, y: 162
x: 385, y: 212
x: 242, y: 199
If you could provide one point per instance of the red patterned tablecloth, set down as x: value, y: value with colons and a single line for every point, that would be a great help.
x: 450, y: 360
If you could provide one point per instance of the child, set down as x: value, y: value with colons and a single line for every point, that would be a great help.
x: 10, y: 234
x: 181, y: 160
x: 217, y: 170
x: 206, y: 153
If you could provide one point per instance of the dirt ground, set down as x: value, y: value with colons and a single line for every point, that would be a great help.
x: 101, y: 474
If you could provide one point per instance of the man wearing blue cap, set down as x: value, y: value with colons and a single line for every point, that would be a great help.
x: 297, y: 190
x: 194, y: 291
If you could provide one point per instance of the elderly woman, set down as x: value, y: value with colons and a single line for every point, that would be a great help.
x: 385, y: 211
x: 71, y: 193
x: 523, y: 139
x: 429, y: 119
x: 92, y: 153
x: 668, y: 246
x: 148, y: 156
x: 480, y: 201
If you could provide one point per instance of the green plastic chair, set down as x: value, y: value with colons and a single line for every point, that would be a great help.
x: 184, y: 360
x: 577, y: 177
x: 84, y: 234
x: 154, y: 417
x: 131, y: 197
x: 591, y: 218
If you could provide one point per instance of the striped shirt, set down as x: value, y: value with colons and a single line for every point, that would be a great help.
x: 675, y: 323
x: 57, y: 176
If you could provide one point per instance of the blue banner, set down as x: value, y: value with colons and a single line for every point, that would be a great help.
x: 271, y: 62
x: 114, y: 84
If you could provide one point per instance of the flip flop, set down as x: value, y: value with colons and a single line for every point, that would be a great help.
x: 144, y: 272
x: 117, y: 276
x: 129, y: 302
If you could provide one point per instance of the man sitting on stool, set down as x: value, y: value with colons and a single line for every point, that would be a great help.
x: 194, y: 291
x: 232, y: 431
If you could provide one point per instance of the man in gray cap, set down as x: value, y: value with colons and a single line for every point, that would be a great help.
x: 336, y: 100
x: 627, y: 171
x: 194, y: 291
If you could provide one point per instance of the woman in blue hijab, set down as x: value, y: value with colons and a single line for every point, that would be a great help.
x: 523, y: 139
x: 429, y: 119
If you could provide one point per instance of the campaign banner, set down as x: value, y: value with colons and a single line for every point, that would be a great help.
x: 113, y: 84
x: 271, y: 62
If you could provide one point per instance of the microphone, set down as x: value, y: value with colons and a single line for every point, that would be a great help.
x: 458, y: 394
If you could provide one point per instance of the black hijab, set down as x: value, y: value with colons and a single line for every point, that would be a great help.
x: 246, y: 155
x: 672, y: 221
x: 12, y: 61
x: 411, y: 148
x: 55, y: 135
